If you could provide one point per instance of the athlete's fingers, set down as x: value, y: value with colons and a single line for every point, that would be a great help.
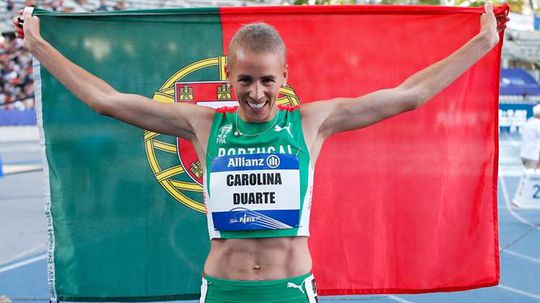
x: 19, y: 33
x: 32, y: 23
x: 488, y: 7
x: 18, y: 21
x: 502, y: 19
x: 501, y: 23
x: 18, y: 24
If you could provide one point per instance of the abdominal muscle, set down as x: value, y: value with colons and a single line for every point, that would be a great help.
x: 258, y: 259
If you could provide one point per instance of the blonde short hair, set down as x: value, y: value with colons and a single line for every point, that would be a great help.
x: 259, y: 38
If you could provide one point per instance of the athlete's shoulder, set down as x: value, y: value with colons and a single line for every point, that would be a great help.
x: 288, y: 108
x: 226, y: 109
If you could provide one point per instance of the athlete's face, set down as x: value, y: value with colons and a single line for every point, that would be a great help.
x: 256, y: 79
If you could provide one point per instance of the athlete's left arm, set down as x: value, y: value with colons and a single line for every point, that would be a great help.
x: 325, y: 118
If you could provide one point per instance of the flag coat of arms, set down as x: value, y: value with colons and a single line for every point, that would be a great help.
x: 404, y: 206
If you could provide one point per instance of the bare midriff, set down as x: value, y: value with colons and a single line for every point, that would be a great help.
x: 258, y: 259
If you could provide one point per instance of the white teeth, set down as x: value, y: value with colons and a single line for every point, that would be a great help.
x: 256, y: 105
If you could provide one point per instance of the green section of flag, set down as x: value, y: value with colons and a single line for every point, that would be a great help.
x: 119, y: 235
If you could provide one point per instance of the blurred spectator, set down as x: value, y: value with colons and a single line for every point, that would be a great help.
x: 9, y: 5
x: 119, y: 5
x: 66, y: 6
x: 52, y: 5
x: 530, y: 144
x: 84, y: 5
x: 30, y: 3
x: 16, y: 83
x: 103, y: 7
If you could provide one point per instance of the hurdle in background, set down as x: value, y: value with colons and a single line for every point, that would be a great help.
x: 528, y: 192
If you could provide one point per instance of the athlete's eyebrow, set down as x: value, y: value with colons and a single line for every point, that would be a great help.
x: 244, y: 77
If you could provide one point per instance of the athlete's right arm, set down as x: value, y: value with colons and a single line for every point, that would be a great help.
x: 182, y: 120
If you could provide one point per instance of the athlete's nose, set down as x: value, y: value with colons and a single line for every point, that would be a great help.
x: 258, y: 91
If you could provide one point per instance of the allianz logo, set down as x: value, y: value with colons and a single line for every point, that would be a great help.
x: 271, y: 161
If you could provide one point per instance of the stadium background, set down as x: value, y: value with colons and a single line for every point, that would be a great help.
x: 23, y: 238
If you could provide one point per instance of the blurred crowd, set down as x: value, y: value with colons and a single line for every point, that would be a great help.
x: 16, y: 81
x: 16, y: 84
x: 69, y: 6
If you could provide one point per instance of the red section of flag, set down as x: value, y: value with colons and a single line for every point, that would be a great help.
x: 407, y: 205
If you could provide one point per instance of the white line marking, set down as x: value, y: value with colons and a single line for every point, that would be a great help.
x: 22, y: 263
x: 17, y: 169
x: 31, y: 251
x: 528, y: 258
x: 399, y: 299
x: 513, y: 172
x: 521, y: 292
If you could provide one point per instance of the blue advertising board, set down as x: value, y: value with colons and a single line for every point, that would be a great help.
x: 17, y: 117
x: 512, y: 116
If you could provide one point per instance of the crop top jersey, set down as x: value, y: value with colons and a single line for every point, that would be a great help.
x: 258, y: 181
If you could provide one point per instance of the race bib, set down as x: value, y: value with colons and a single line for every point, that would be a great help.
x: 255, y: 192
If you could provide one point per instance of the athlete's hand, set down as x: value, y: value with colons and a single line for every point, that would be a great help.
x: 27, y: 28
x: 491, y: 25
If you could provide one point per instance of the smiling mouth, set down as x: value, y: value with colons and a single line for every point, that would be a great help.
x: 256, y: 106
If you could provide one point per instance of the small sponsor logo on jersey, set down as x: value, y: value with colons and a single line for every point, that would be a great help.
x: 249, y: 219
x: 272, y: 161
x: 245, y: 219
x: 299, y: 287
x: 278, y: 129
x: 221, y: 138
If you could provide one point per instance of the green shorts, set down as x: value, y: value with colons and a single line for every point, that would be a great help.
x: 299, y: 289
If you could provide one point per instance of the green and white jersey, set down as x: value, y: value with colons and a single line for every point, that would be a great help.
x: 259, y: 179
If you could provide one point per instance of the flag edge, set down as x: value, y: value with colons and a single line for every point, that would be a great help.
x: 36, y: 65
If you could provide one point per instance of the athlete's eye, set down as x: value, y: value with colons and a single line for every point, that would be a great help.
x: 269, y: 81
x: 244, y: 80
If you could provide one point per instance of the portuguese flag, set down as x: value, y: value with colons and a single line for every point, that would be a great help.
x: 404, y: 206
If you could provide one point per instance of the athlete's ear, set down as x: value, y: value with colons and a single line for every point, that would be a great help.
x: 228, y: 73
x: 285, y: 75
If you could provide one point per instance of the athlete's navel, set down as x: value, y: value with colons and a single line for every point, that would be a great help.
x: 256, y: 267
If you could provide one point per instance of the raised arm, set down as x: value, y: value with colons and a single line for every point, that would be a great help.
x: 183, y: 120
x: 322, y: 119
